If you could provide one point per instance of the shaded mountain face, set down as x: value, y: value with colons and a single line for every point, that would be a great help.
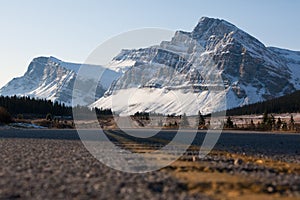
x: 53, y: 79
x: 194, y: 61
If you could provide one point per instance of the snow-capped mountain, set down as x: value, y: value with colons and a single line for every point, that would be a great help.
x: 53, y: 79
x: 178, y: 76
x: 214, y: 67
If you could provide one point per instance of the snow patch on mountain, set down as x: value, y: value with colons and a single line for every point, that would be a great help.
x: 132, y: 100
x: 292, y: 61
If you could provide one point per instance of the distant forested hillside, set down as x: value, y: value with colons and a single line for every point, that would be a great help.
x: 286, y: 104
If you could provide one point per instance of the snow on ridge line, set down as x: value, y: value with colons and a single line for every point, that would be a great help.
x: 72, y: 66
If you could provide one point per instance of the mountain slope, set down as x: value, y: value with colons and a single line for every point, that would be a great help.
x: 191, y: 63
x: 53, y: 79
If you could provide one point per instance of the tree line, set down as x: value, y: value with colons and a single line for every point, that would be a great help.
x: 29, y: 106
x: 286, y: 104
x: 267, y: 123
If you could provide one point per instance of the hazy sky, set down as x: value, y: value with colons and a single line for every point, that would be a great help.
x: 71, y: 29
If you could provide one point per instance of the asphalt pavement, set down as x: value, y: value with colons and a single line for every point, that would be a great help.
x: 54, y: 164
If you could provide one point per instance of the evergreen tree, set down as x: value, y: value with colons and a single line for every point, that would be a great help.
x: 265, y: 118
x: 229, y: 123
x: 284, y: 126
x: 279, y: 123
x: 20, y: 116
x: 160, y: 123
x: 291, y: 123
x: 272, y: 122
x: 252, y: 125
x: 268, y: 121
x: 175, y: 124
x: 5, y: 116
x: 184, y: 120
x: 201, y: 119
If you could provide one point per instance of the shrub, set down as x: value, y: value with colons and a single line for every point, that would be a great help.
x: 20, y: 116
x: 49, y: 117
x: 5, y: 117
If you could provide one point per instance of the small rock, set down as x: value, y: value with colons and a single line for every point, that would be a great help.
x: 238, y: 161
x: 207, y: 169
x: 259, y: 161
x: 271, y: 189
x: 194, y: 158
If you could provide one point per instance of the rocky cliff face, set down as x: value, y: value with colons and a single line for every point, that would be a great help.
x: 194, y: 61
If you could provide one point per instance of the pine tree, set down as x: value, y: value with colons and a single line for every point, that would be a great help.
x: 252, y: 125
x: 175, y: 124
x: 284, y: 126
x: 184, y: 120
x: 292, y: 123
x: 272, y: 122
x: 279, y: 123
x: 160, y: 123
x: 229, y: 123
x: 265, y: 118
x: 201, y: 119
x: 5, y: 116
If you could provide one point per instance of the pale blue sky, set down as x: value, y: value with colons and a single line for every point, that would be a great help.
x: 70, y: 30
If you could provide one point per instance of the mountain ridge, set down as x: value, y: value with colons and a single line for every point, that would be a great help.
x: 53, y: 79
x: 192, y: 62
x: 251, y: 72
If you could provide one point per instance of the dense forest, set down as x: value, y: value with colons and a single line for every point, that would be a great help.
x: 286, y: 104
x: 28, y: 106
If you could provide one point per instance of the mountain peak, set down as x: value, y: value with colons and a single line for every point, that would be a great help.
x: 213, y: 26
x: 55, y: 59
x: 47, y: 59
x: 206, y: 19
x: 213, y: 20
x: 219, y: 29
